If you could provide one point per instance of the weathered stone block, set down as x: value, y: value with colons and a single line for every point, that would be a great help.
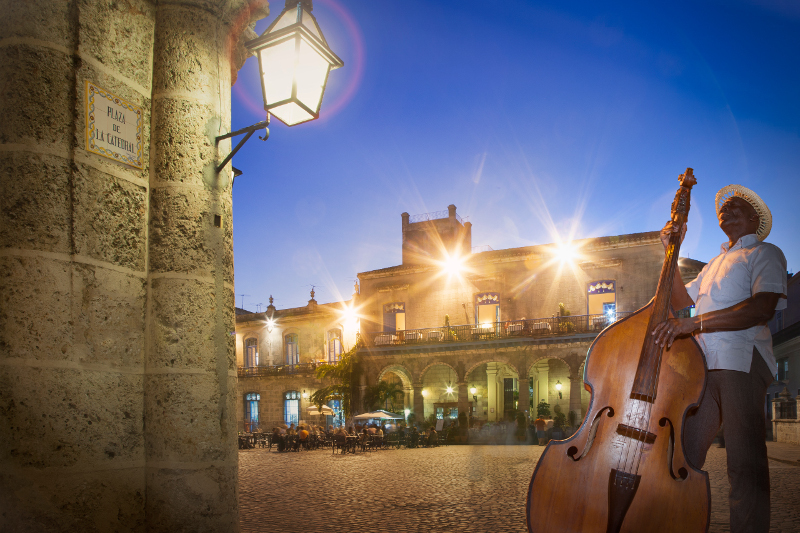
x: 120, y: 36
x: 183, y: 135
x: 62, y: 417
x: 181, y: 234
x: 109, y: 307
x: 35, y: 202
x: 57, y: 311
x: 110, y: 218
x: 37, y: 96
x: 66, y: 501
x: 193, y: 403
x: 187, y: 45
x: 184, y: 324
x: 203, y: 500
x: 44, y: 20
x: 36, y: 314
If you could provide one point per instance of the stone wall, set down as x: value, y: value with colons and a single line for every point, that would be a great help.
x: 117, y: 370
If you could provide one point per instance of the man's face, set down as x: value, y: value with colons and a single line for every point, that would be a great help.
x: 738, y: 215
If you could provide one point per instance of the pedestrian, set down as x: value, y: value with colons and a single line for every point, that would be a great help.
x: 735, y: 295
x: 540, y: 424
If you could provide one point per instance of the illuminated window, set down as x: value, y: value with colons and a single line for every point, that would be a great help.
x: 394, y: 317
x: 783, y: 369
x: 487, y: 308
x: 251, y: 352
x: 292, y: 349
x: 251, y: 400
x: 601, y: 298
x: 334, y: 345
x: 291, y: 407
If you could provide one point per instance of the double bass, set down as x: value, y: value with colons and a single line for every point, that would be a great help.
x: 625, y: 469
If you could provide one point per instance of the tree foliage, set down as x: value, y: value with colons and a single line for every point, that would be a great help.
x: 342, y: 376
x: 543, y: 409
x: 383, y: 394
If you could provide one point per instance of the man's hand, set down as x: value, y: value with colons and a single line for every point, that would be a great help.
x: 667, y: 331
x: 670, y: 228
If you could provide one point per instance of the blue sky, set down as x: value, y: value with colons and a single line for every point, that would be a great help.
x: 538, y: 120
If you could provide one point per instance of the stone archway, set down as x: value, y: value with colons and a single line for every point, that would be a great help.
x: 401, y: 373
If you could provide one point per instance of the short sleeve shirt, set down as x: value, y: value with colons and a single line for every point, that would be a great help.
x: 736, y: 274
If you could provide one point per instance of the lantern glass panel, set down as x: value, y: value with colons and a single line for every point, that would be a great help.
x: 311, y: 25
x: 291, y: 114
x: 288, y: 18
x: 312, y: 71
x: 277, y: 69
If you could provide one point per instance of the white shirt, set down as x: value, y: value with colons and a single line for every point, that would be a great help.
x: 747, y: 268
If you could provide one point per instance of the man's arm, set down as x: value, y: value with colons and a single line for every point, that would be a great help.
x: 758, y: 309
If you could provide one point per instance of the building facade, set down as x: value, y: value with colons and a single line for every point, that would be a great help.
x: 487, y: 333
x: 784, y: 393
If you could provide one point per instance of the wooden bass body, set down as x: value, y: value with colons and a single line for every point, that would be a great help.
x: 573, y: 487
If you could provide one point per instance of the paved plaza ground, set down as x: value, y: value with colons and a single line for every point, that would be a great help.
x: 452, y: 488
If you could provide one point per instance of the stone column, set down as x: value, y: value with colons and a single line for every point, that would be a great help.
x: 544, y: 387
x: 73, y: 258
x: 463, y: 398
x: 575, y: 387
x: 524, y: 395
x: 408, y: 399
x: 491, y: 391
x: 419, y: 402
x: 190, y: 368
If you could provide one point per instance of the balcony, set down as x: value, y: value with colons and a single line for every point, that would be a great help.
x: 302, y: 369
x: 536, y: 328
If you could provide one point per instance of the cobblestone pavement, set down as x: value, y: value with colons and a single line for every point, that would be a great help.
x: 453, y: 488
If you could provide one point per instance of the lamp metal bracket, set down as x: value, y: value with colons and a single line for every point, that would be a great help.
x: 249, y: 130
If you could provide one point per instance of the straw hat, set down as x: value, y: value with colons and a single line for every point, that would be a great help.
x: 764, y: 214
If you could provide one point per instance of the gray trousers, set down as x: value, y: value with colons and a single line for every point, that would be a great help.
x: 737, y: 399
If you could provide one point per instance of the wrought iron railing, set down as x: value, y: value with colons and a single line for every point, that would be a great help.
x: 277, y: 370
x: 425, y: 217
x: 510, y: 329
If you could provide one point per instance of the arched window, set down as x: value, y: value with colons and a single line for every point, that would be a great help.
x: 251, y: 352
x: 291, y: 407
x: 251, y: 400
x: 334, y: 345
x: 292, y: 349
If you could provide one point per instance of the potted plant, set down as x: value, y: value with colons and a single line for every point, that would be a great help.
x: 559, y: 421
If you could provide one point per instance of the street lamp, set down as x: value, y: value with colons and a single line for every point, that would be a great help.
x: 558, y: 388
x: 294, y: 61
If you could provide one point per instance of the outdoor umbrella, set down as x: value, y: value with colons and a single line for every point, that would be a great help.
x: 383, y: 415
x: 312, y: 410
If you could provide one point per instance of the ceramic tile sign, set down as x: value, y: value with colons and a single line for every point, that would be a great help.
x: 113, y: 126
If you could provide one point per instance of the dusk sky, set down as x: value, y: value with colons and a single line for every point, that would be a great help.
x: 540, y: 121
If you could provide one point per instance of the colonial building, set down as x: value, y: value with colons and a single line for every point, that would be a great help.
x: 784, y: 393
x: 486, y: 332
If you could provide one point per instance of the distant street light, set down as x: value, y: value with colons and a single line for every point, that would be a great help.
x: 294, y: 61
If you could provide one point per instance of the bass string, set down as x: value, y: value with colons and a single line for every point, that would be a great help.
x: 632, y: 452
x: 653, y: 378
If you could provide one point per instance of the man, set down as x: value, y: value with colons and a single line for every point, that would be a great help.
x: 735, y: 295
x: 540, y: 424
